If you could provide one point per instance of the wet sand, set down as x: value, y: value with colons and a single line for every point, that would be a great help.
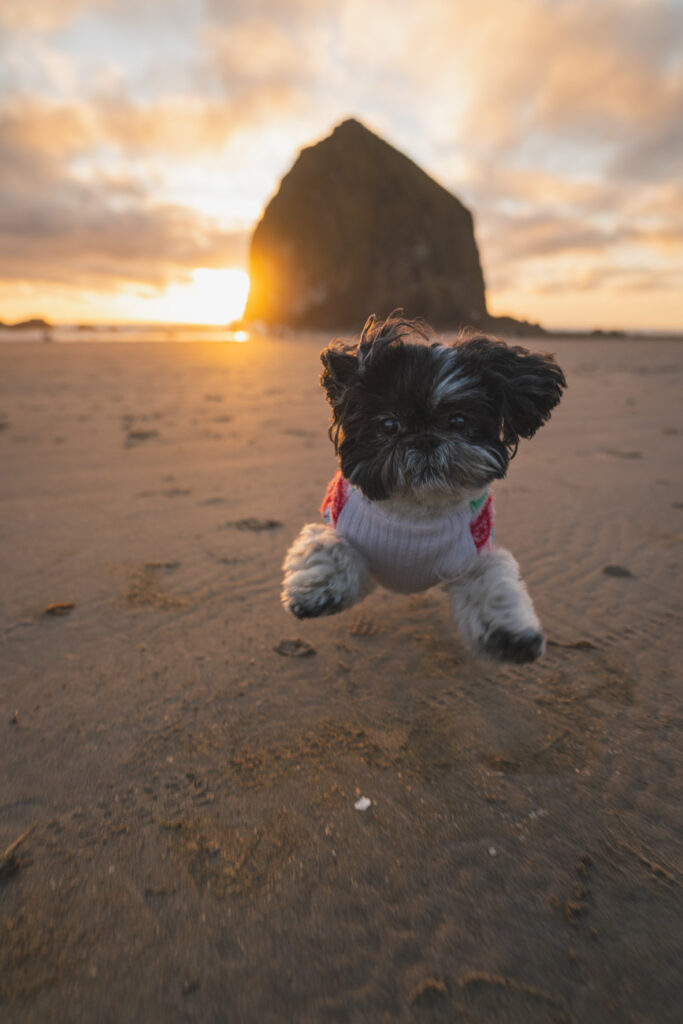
x: 178, y: 836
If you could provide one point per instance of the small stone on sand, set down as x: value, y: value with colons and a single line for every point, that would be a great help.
x: 294, y: 648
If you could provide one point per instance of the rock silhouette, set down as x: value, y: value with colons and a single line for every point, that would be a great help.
x: 358, y: 228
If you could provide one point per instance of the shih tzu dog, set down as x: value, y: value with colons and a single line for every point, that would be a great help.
x: 421, y: 430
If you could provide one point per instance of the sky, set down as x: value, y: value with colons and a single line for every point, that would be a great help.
x: 140, y: 141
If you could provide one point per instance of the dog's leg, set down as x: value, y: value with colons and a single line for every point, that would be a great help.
x: 493, y: 610
x: 324, y: 574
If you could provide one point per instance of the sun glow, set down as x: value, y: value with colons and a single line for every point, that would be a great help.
x: 212, y: 297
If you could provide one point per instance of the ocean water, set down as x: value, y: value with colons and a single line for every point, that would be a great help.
x: 123, y: 333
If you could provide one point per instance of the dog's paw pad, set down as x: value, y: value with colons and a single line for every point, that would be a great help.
x: 519, y: 648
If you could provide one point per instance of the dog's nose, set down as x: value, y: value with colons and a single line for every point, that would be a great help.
x: 427, y: 442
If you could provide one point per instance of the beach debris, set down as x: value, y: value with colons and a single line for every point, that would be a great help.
x: 255, y: 525
x: 59, y: 608
x: 9, y: 862
x: 492, y: 851
x: 363, y: 803
x: 14, y: 719
x: 619, y: 571
x: 296, y: 648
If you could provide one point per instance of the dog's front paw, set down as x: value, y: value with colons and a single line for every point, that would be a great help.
x: 519, y: 648
x: 313, y: 604
x: 323, y: 574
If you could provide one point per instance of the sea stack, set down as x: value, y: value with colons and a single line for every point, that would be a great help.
x: 357, y: 228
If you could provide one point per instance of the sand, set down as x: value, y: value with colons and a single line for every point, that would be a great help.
x: 180, y: 760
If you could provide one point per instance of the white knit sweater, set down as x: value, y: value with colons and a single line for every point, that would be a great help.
x: 405, y: 555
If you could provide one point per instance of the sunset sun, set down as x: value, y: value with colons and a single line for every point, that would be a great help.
x: 211, y: 297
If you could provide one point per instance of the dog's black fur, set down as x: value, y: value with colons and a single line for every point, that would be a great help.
x: 410, y: 414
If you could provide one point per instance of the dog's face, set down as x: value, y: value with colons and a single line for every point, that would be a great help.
x: 410, y: 417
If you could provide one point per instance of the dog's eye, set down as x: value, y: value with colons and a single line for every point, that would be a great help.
x: 390, y: 425
x: 456, y: 421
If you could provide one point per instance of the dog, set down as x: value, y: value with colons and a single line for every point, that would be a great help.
x: 421, y: 430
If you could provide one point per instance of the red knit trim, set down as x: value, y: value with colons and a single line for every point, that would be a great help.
x: 335, y: 498
x: 481, y: 526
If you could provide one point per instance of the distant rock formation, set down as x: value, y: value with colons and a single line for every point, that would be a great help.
x: 23, y: 325
x: 358, y: 228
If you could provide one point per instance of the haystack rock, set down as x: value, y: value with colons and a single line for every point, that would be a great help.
x: 358, y: 228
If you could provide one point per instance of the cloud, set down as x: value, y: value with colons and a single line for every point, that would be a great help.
x: 86, y: 237
x: 40, y: 15
x: 54, y: 226
x: 260, y: 51
x: 552, y: 81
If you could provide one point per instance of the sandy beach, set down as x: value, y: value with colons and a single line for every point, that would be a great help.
x: 180, y: 759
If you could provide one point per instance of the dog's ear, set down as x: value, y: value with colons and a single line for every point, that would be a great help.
x: 340, y: 364
x: 526, y: 385
x: 342, y: 361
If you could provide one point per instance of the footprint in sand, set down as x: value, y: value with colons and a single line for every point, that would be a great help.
x: 255, y: 525
x: 169, y: 492
x: 144, y: 588
x: 363, y: 625
x: 134, y: 437
x: 617, y: 453
x: 296, y: 432
x: 176, y: 492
